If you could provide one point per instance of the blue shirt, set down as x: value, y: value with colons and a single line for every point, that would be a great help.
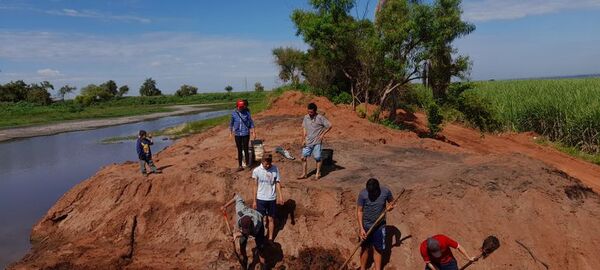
x: 373, y: 209
x: 143, y: 149
x: 241, y: 123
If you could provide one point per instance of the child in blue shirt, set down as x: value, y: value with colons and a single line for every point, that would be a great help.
x: 144, y: 153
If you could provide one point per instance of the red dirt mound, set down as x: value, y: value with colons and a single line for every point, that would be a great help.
x: 118, y: 219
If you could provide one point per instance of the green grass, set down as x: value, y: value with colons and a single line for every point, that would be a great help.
x: 569, y: 150
x: 567, y: 111
x: 23, y: 114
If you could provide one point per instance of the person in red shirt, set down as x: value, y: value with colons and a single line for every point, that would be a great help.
x: 437, y: 255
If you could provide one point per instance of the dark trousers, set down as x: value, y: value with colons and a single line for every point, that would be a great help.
x: 242, y: 143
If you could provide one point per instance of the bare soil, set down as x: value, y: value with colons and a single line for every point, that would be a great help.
x: 541, y: 204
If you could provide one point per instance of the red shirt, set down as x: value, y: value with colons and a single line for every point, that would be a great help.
x: 445, y: 244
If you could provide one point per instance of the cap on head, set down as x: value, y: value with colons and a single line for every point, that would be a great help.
x: 142, y: 133
x: 433, y: 246
x: 246, y: 225
x: 240, y: 104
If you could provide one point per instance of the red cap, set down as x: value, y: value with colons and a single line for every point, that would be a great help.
x: 240, y: 104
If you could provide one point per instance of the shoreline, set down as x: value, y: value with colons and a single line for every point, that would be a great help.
x: 79, y: 125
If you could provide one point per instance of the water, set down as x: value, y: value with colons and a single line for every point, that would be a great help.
x: 36, y: 172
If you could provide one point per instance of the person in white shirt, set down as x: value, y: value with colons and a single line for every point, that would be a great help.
x: 268, y: 192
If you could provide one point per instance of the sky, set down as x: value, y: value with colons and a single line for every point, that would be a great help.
x: 212, y: 44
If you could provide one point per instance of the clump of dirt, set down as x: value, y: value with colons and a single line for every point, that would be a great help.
x: 497, y: 185
x: 316, y: 259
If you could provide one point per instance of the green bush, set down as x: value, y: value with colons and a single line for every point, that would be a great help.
x: 434, y: 119
x: 420, y: 96
x: 361, y: 110
x: 342, y: 98
x: 186, y: 90
x: 478, y: 111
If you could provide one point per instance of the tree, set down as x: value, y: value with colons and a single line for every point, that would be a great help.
x: 63, y: 91
x: 186, y: 90
x: 13, y: 91
x: 290, y: 62
x: 229, y: 88
x: 148, y: 88
x: 258, y: 87
x: 39, y: 94
x: 111, y: 87
x: 93, y: 93
x: 446, y: 27
x: 123, y: 90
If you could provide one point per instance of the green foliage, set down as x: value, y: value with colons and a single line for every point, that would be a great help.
x: 148, y: 88
x: 375, y: 116
x: 94, y: 93
x: 478, y: 111
x: 123, y: 90
x: 434, y: 119
x: 565, y: 110
x: 258, y: 87
x: 229, y: 88
x: 342, y: 98
x: 16, y: 91
x: 419, y: 96
x: 290, y: 62
x: 361, y: 110
x: 186, y: 90
x: 65, y: 90
x: 111, y: 87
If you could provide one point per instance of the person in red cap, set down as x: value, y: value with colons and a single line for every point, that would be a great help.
x: 437, y: 255
x: 240, y: 126
x: 249, y: 224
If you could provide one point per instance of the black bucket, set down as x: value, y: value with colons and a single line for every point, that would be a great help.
x: 327, y: 156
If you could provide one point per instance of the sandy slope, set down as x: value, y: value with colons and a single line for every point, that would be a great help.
x: 119, y: 219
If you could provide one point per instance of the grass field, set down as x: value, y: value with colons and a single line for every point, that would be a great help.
x: 566, y: 111
x: 22, y: 114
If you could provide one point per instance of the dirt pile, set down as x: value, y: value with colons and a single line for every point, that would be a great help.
x: 119, y: 219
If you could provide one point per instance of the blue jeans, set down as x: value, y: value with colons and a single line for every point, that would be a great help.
x: 315, y: 150
x: 452, y: 265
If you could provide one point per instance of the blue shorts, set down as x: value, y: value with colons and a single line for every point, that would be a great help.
x: 315, y: 150
x: 266, y: 208
x: 376, y: 239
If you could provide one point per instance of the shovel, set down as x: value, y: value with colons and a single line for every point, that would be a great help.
x: 379, y: 219
x: 490, y: 244
x: 233, y: 241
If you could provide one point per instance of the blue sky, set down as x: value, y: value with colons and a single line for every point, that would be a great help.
x: 211, y: 44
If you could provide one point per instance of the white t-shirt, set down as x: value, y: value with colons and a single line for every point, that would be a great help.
x: 266, y: 182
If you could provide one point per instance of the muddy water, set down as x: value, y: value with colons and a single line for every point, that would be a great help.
x: 35, y: 172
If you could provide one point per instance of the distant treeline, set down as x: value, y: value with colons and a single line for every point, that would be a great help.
x: 40, y: 93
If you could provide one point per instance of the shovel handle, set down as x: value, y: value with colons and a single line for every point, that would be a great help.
x: 471, y: 262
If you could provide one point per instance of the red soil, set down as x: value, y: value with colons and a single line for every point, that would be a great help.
x: 501, y: 185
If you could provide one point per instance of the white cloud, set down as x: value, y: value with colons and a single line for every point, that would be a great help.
x: 96, y: 15
x: 47, y: 72
x: 171, y: 59
x: 487, y: 10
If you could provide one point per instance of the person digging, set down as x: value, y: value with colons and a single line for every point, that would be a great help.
x: 314, y: 127
x: 371, y: 203
x: 437, y: 255
x: 249, y: 224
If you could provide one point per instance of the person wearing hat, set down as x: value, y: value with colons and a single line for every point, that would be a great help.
x: 371, y: 202
x: 249, y: 223
x: 241, y: 126
x: 437, y: 255
x: 267, y: 188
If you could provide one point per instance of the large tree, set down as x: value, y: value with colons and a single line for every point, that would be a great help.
x: 111, y: 87
x: 63, y: 91
x: 149, y: 88
x: 290, y: 62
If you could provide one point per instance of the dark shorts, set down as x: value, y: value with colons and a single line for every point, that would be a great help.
x: 376, y: 239
x: 452, y: 265
x: 266, y: 208
x: 259, y: 239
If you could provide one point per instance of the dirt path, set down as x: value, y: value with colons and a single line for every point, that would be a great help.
x: 50, y: 129
x: 119, y: 219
